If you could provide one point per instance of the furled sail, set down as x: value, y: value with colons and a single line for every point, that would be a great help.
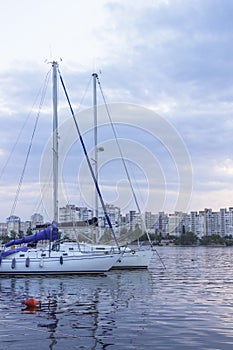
x: 12, y: 251
x: 49, y: 233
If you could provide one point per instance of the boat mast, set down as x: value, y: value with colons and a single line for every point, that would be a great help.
x: 55, y: 143
x: 95, y: 76
x: 90, y: 165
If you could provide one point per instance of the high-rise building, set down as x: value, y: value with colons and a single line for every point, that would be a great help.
x: 36, y: 220
x: 13, y: 224
x: 71, y: 213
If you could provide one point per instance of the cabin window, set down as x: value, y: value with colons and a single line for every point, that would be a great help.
x: 21, y: 255
x: 56, y: 247
x: 43, y: 254
x: 64, y: 254
x: 71, y: 248
x: 97, y: 248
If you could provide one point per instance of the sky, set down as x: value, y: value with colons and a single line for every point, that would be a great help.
x: 166, y: 71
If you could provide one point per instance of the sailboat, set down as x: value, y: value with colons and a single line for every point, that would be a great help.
x: 133, y: 257
x: 27, y: 256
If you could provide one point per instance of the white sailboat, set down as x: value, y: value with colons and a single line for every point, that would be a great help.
x: 133, y: 257
x: 54, y: 258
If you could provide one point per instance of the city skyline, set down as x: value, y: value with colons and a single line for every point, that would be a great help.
x: 92, y: 212
x: 76, y: 222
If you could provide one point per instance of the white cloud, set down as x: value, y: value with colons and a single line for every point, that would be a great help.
x: 174, y: 57
x: 225, y: 168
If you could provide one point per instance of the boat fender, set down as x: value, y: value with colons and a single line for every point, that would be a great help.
x: 31, y: 302
x: 13, y: 263
x: 41, y: 262
x: 61, y: 260
x: 27, y: 262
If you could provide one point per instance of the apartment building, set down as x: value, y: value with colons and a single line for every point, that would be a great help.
x: 203, y: 223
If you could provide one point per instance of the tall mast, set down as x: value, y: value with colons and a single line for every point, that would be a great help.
x: 95, y: 76
x: 90, y: 166
x: 55, y: 143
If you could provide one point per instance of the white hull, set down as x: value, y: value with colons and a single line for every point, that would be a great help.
x: 131, y: 258
x: 33, y: 263
x: 138, y: 259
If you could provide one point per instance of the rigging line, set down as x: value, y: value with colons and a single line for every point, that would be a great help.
x: 121, y: 154
x: 126, y: 169
x: 85, y: 92
x: 45, y: 188
x: 30, y: 145
x: 80, y: 104
x: 21, y: 130
x: 89, y: 163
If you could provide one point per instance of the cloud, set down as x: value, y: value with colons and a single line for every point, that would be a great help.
x: 173, y: 57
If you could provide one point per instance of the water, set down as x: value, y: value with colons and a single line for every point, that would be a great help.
x: 187, y: 306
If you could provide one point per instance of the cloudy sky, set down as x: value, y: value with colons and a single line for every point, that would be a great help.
x: 167, y: 68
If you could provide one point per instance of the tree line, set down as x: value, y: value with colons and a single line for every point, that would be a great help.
x: 190, y: 238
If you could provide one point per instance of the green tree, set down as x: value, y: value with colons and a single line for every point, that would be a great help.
x: 187, y: 238
x: 212, y: 239
x: 12, y: 234
x: 29, y: 231
x: 5, y: 239
x: 20, y: 235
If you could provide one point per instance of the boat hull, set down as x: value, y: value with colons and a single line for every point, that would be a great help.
x: 137, y: 258
x: 58, y: 265
x: 134, y: 259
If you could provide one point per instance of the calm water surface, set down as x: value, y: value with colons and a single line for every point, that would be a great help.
x: 187, y: 306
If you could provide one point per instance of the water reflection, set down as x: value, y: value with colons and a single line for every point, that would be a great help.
x: 187, y: 306
x: 74, y: 310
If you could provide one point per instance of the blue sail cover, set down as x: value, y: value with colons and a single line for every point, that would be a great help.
x: 12, y: 251
x: 49, y: 233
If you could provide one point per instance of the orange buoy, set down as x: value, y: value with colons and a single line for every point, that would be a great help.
x: 31, y: 302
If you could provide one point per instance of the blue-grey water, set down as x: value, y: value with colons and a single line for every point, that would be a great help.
x: 188, y: 305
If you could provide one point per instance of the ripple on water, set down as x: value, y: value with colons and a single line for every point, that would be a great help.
x: 187, y: 306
